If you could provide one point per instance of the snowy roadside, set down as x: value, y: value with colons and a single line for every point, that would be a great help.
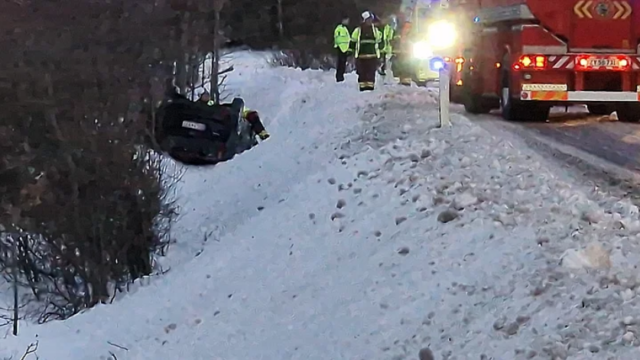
x: 530, y: 265
x: 372, y: 239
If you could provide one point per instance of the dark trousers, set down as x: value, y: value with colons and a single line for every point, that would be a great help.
x: 256, y: 123
x: 257, y: 126
x: 366, y: 69
x: 341, y: 64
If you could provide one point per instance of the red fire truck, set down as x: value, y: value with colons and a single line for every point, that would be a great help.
x: 524, y: 56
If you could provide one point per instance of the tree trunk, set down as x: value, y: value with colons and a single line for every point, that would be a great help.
x: 215, y: 65
x: 183, y: 61
x: 193, y: 74
x: 204, y: 68
x: 280, y: 25
x: 15, y: 287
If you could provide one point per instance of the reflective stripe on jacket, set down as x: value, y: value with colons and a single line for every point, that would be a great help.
x: 387, y: 35
x: 341, y: 38
x: 367, y: 44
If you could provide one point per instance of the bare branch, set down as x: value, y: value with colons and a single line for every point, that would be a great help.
x: 118, y: 346
x: 227, y: 70
x: 31, y: 349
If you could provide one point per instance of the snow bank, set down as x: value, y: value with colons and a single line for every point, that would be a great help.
x: 362, y: 231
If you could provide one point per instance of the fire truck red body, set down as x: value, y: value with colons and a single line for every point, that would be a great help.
x: 524, y: 56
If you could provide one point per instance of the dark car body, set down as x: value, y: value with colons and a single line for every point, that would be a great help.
x: 196, y: 133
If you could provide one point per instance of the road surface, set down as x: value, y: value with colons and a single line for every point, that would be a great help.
x: 604, y: 137
x: 600, y: 136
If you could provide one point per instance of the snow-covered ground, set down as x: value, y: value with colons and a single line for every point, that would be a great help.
x: 361, y: 230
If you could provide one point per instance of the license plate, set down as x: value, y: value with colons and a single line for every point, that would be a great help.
x: 194, y: 125
x: 603, y: 62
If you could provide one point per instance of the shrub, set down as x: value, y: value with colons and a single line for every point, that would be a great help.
x: 83, y: 203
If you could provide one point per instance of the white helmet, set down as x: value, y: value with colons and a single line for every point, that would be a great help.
x: 366, y: 15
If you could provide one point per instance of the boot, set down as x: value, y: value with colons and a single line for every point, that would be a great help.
x: 263, y: 135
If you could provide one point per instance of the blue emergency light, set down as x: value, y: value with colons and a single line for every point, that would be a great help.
x: 437, y: 64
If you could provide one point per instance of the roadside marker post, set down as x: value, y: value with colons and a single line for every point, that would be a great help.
x: 444, y: 101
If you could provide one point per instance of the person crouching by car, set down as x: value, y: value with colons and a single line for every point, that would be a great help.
x: 253, y: 118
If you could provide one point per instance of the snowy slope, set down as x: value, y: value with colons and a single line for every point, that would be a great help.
x: 329, y: 242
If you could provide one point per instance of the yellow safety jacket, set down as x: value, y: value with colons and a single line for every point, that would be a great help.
x: 341, y: 38
x: 246, y: 111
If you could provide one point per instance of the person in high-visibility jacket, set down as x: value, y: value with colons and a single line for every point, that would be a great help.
x: 341, y: 42
x: 366, y: 40
x: 401, y: 49
x: 388, y: 33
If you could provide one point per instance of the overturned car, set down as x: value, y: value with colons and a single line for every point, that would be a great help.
x: 195, y: 133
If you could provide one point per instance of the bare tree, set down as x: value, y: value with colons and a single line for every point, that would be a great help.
x: 218, y: 5
x: 280, y: 21
x: 77, y: 183
x: 16, y: 301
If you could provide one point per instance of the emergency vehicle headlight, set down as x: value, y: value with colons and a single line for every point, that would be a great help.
x: 422, y: 50
x: 441, y: 34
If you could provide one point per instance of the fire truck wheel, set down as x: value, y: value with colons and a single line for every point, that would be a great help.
x: 476, y: 104
x: 600, y: 109
x: 516, y: 109
x: 628, y: 112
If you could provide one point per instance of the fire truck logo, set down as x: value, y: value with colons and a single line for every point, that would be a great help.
x: 602, y: 9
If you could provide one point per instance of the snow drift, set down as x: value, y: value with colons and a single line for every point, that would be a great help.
x: 361, y: 230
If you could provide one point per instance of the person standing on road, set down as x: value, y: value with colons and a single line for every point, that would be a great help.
x: 341, y: 42
x: 387, y: 37
x: 366, y: 41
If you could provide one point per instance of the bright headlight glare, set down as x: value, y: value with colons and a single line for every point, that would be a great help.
x: 422, y: 50
x: 441, y: 34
